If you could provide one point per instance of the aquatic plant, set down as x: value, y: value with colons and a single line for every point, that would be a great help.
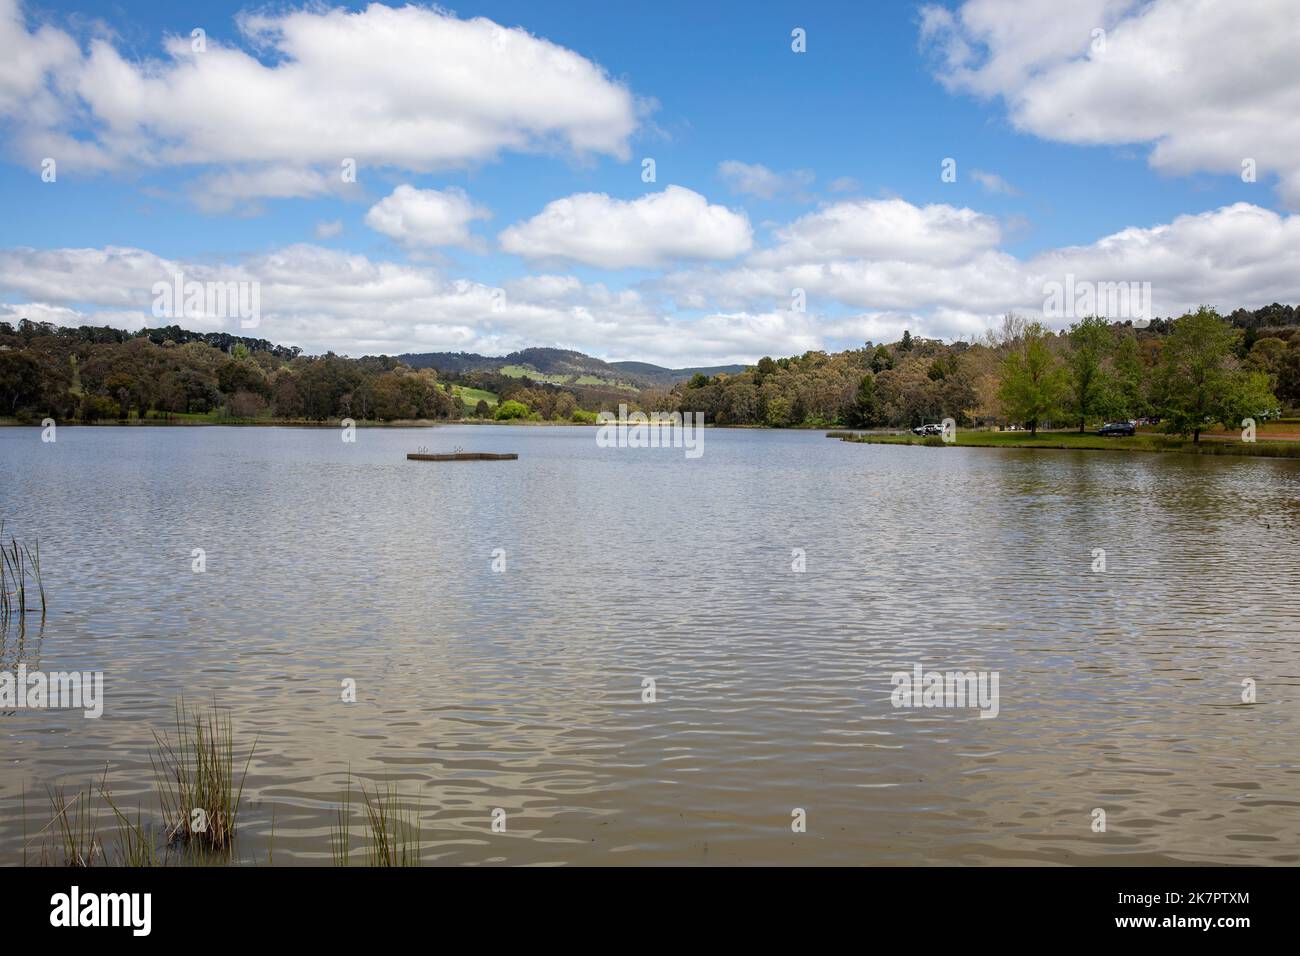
x: 137, y: 845
x: 196, y: 776
x: 341, y: 833
x: 76, y: 828
x: 19, y: 563
x: 394, y: 832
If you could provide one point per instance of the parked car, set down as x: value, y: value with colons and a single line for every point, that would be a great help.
x: 931, y: 429
x: 1118, y: 428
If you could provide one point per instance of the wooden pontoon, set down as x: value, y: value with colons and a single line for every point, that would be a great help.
x: 462, y: 456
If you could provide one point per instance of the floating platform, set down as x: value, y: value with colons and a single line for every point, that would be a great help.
x: 463, y: 456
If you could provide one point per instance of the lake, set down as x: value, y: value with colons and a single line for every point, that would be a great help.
x: 522, y: 688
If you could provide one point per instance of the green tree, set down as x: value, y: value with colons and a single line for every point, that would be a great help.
x: 905, y: 345
x: 1288, y: 375
x: 1089, y: 382
x: 866, y: 407
x: 777, y: 412
x: 1031, y: 384
x: 20, y: 380
x: 119, y: 386
x: 511, y: 409
x: 1199, y: 381
x: 482, y: 409
x: 1129, y: 395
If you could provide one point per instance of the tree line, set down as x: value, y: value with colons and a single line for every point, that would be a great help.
x: 1191, y: 372
x: 99, y: 373
x: 92, y: 374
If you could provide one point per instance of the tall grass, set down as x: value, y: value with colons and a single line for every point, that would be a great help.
x: 137, y: 844
x: 196, y: 772
x: 341, y: 834
x: 394, y: 832
x: 72, y: 837
x: 18, y: 563
x: 76, y: 828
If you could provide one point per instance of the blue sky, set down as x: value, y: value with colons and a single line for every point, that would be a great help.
x: 883, y: 94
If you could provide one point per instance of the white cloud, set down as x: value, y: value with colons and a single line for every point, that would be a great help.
x: 28, y: 58
x: 1236, y: 256
x: 758, y: 180
x: 1208, y: 84
x: 993, y: 183
x: 42, y: 312
x: 114, y: 276
x: 658, y: 228
x: 426, y: 217
x: 884, y: 229
x: 411, y: 87
x: 329, y: 229
x: 324, y: 299
x: 238, y: 188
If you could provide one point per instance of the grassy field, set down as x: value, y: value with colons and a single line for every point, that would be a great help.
x: 525, y: 371
x: 1067, y: 440
x: 472, y: 396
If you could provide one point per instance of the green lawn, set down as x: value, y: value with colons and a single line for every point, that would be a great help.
x: 1143, y: 441
x: 472, y: 396
x: 525, y: 371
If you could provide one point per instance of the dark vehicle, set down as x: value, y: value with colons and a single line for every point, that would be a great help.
x: 934, y: 428
x: 1118, y: 428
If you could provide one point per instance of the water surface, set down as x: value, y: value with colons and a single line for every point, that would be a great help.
x: 522, y: 690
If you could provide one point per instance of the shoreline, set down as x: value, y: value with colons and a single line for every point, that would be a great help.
x: 362, y: 423
x: 278, y: 423
x: 1074, y: 441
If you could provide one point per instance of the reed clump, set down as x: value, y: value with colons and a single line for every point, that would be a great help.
x: 394, y: 832
x: 137, y: 844
x: 75, y: 828
x: 73, y: 835
x: 341, y: 833
x: 196, y: 779
x: 20, y: 567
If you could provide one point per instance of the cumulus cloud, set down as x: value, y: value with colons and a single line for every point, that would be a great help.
x: 1239, y: 255
x: 412, y: 87
x: 29, y: 58
x: 993, y: 183
x: 329, y: 229
x: 426, y: 217
x: 758, y: 180
x: 324, y: 299
x: 1208, y: 84
x: 597, y: 230
x: 883, y: 229
x: 240, y: 188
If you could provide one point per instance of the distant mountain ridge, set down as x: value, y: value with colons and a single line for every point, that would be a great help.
x: 562, y: 363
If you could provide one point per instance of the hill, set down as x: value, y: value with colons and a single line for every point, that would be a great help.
x: 561, y: 367
x: 660, y: 377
